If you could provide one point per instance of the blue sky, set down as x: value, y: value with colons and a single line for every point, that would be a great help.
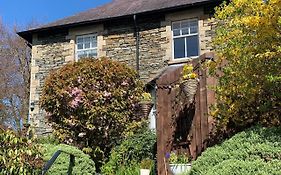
x: 22, y: 12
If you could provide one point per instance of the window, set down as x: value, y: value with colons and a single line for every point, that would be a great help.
x: 86, y: 46
x: 185, y: 38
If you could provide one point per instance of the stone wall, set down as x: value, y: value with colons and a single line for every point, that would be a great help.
x: 120, y: 44
x: 116, y: 39
x: 48, y: 53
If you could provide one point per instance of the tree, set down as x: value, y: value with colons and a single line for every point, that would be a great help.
x: 15, y: 57
x: 91, y: 103
x: 248, y: 46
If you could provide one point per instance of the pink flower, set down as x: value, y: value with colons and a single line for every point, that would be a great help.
x: 78, y: 97
x: 106, y: 94
x: 124, y: 83
x: 76, y: 91
x: 79, y: 80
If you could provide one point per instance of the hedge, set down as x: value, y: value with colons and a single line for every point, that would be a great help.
x: 254, y: 151
x: 83, y: 163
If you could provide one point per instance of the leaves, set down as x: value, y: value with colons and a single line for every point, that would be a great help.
x: 247, y: 42
x: 95, y: 97
x: 18, y: 155
x: 84, y: 165
x: 255, y: 151
x: 131, y: 151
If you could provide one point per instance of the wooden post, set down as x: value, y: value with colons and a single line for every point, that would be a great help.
x: 200, y: 122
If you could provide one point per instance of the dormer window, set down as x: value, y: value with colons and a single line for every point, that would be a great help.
x: 86, y: 46
x: 185, y: 39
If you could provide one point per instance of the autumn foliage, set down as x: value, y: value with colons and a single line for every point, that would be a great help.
x: 248, y: 44
x: 91, y: 103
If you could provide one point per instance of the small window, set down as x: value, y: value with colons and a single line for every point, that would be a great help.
x: 185, y: 38
x: 86, y: 46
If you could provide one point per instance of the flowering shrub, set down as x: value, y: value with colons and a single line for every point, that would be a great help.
x: 178, y: 158
x: 90, y: 103
x: 248, y: 42
x: 187, y: 72
x: 18, y: 155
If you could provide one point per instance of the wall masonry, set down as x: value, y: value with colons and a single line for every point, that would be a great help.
x: 47, y: 54
x: 116, y: 40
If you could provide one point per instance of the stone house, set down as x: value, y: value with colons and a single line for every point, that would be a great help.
x: 148, y: 35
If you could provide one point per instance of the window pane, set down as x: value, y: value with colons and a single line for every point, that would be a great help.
x: 87, y: 45
x: 185, y: 31
x: 193, y: 23
x: 94, y: 44
x: 87, y: 39
x: 179, y: 48
x: 176, y: 32
x: 80, y: 40
x: 192, y: 46
x: 185, y: 24
x: 176, y: 25
x: 193, y: 30
x: 81, y: 54
x: 80, y: 46
x: 93, y: 39
x: 92, y: 53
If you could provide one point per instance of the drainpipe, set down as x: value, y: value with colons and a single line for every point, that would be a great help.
x: 137, y: 36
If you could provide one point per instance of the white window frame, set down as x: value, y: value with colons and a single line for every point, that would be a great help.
x: 91, y: 48
x: 185, y: 36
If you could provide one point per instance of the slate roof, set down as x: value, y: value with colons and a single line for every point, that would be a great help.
x: 115, y: 9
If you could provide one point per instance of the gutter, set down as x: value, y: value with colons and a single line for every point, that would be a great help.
x: 137, y: 36
x: 27, y: 35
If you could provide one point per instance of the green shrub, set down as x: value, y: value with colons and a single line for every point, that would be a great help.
x: 50, y: 139
x: 246, y: 167
x: 132, y: 150
x: 90, y: 103
x: 255, y: 151
x: 83, y: 163
x: 18, y: 155
x: 132, y: 169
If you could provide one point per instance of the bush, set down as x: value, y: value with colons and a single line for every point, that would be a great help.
x: 131, y: 151
x: 50, y: 139
x: 83, y: 163
x: 247, y: 43
x: 90, y: 103
x: 18, y: 155
x: 132, y: 169
x: 255, y: 151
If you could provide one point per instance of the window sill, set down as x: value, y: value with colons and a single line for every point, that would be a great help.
x: 181, y: 61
